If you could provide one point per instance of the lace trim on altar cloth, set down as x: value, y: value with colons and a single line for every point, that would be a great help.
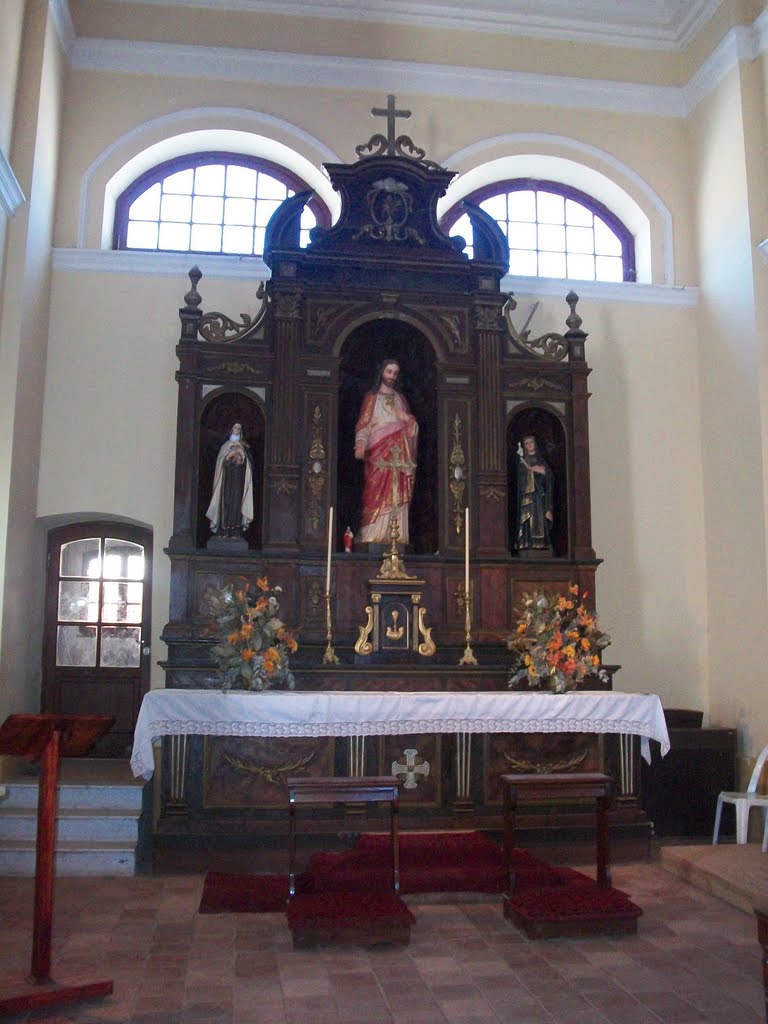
x: 400, y: 727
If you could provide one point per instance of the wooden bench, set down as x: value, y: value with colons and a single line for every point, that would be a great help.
x: 558, y: 788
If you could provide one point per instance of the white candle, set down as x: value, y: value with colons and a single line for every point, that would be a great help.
x: 330, y: 544
x: 466, y: 553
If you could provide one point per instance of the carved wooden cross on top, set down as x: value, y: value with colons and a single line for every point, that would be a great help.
x: 390, y: 112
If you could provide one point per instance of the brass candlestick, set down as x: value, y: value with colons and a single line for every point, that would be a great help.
x: 329, y: 658
x: 468, y: 657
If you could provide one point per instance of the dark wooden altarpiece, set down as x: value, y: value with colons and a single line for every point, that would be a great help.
x: 383, y: 282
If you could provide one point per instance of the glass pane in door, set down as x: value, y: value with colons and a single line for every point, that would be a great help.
x: 76, y: 646
x: 120, y: 646
x: 81, y: 558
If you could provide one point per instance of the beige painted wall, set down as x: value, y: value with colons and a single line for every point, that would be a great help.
x: 23, y: 347
x: 731, y: 364
x: 10, y: 46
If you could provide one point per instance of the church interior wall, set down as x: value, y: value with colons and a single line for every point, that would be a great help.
x: 731, y: 434
x: 676, y: 390
x: 23, y: 329
x: 10, y: 49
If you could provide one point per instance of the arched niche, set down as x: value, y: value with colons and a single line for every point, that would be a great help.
x: 221, y: 411
x: 548, y: 429
x: 362, y: 351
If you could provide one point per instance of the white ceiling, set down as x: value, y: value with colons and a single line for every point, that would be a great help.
x: 662, y: 24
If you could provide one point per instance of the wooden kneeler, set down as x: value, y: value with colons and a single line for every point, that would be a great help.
x: 49, y: 737
x: 353, y: 916
x: 581, y: 908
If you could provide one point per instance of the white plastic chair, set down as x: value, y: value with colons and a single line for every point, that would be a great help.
x: 744, y: 802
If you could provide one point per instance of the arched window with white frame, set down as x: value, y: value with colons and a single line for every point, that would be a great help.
x: 553, y: 230
x: 208, y: 203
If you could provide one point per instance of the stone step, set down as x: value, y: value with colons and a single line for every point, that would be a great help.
x: 97, y: 822
x: 73, y: 859
x: 107, y: 824
x: 23, y: 796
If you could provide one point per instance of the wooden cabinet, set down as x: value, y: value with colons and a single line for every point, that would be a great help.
x: 679, y: 792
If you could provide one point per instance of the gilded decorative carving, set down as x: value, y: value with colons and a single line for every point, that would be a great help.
x: 427, y: 647
x: 538, y: 384
x: 487, y: 318
x: 232, y: 369
x: 456, y: 342
x: 315, y: 594
x: 551, y: 346
x: 390, y: 205
x: 317, y: 471
x: 363, y: 643
x: 456, y: 475
x: 492, y: 493
x: 320, y: 318
x: 273, y: 774
x: 288, y: 305
x: 218, y: 327
x: 283, y: 486
x: 547, y: 767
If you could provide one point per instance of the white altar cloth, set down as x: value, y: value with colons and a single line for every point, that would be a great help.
x: 177, y: 712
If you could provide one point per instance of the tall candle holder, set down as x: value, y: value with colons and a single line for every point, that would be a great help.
x: 468, y: 657
x: 330, y: 657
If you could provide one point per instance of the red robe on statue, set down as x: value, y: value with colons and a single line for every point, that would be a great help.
x: 389, y: 431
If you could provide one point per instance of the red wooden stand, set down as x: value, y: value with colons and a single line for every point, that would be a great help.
x: 49, y: 737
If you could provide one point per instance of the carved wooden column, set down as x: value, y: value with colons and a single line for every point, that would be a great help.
x: 183, y: 498
x: 282, y: 507
x: 581, y: 501
x: 491, y: 490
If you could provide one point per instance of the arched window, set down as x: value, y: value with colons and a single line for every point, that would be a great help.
x: 208, y: 203
x: 553, y: 230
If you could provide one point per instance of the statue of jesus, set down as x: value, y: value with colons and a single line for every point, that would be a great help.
x: 386, y: 437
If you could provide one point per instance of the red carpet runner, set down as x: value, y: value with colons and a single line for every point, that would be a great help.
x: 546, y: 900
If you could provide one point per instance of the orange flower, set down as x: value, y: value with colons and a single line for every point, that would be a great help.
x: 262, y: 583
x: 260, y: 605
x: 287, y: 638
x: 247, y: 654
x: 233, y: 637
x: 271, y: 659
x: 573, y: 588
x: 584, y: 644
x: 595, y: 659
x: 246, y: 630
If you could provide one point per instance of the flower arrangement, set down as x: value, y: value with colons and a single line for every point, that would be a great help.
x: 557, y: 643
x: 254, y: 646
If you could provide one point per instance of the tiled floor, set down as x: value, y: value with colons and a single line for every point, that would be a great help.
x: 695, y: 959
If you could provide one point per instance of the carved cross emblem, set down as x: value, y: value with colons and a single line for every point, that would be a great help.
x: 391, y: 113
x: 411, y: 770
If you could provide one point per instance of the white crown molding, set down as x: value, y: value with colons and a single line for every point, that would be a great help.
x: 599, y: 291
x: 158, y: 264
x: 11, y: 196
x: 356, y: 73
x: 178, y: 265
x: 661, y: 25
x: 739, y: 44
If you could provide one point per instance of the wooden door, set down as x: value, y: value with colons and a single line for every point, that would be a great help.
x: 96, y: 646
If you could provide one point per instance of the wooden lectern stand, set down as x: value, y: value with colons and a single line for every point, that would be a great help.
x: 49, y: 737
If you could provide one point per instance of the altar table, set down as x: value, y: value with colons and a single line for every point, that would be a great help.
x: 182, y: 712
